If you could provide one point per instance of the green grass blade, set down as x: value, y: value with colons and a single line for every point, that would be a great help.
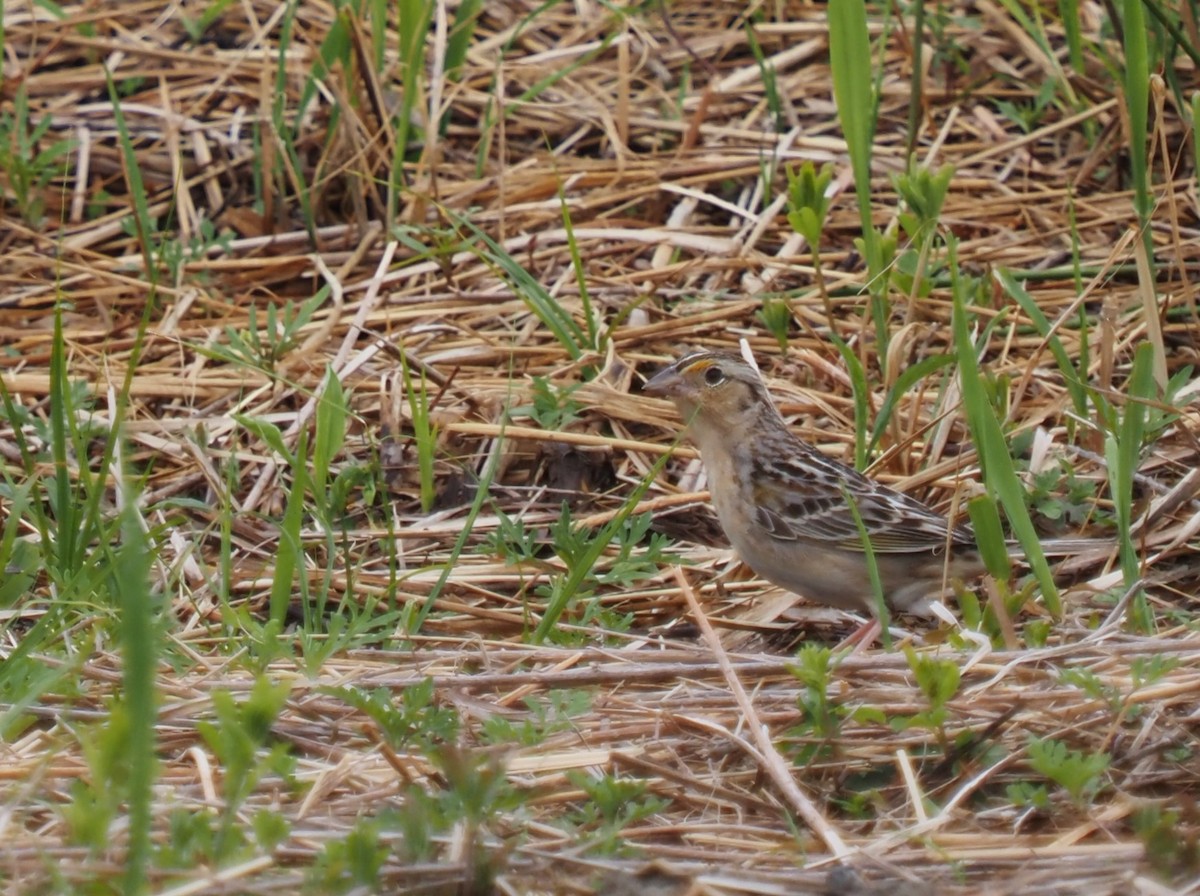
x: 855, y: 94
x: 289, y: 557
x: 481, y: 496
x: 589, y: 312
x: 1195, y: 107
x: 905, y: 381
x: 1071, y: 376
x: 1137, y: 103
x: 916, y: 104
x: 861, y: 390
x: 414, y: 17
x: 1167, y: 18
x: 985, y: 520
x: 1123, y: 452
x: 424, y: 431
x: 877, y: 595
x: 999, y: 473
x: 138, y: 636
x: 461, y: 33
x: 143, y: 224
x: 330, y: 426
x: 66, y: 513
x: 849, y: 59
x: 1069, y: 16
x: 547, y: 309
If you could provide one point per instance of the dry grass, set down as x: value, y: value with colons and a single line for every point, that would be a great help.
x: 656, y: 139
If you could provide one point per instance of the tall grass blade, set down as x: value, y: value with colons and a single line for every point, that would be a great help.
x: 1137, y: 104
x: 856, y: 97
x: 861, y: 391
x: 1074, y: 378
x: 585, y: 298
x: 877, y: 594
x: 482, y: 490
x: 424, y: 431
x: 1069, y: 16
x: 330, y: 428
x: 138, y: 633
x: 1122, y: 450
x: 62, y: 413
x: 905, y: 381
x: 999, y: 474
x: 985, y: 521
x: 916, y: 103
x: 414, y: 18
x: 1195, y: 108
x: 461, y: 32
x: 849, y: 59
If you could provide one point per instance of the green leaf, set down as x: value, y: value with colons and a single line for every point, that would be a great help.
x: 330, y: 429
x: 269, y: 434
x: 938, y: 679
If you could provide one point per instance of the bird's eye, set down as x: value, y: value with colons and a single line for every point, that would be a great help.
x: 714, y: 376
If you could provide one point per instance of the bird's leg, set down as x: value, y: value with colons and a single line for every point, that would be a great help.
x: 862, y: 637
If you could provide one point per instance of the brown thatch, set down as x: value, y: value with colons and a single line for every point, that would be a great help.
x: 657, y: 138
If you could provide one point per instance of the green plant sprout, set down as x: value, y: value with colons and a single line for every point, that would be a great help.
x: 1078, y: 773
x: 551, y: 406
x: 938, y: 680
x: 581, y: 550
x: 26, y: 166
x: 820, y: 718
x: 776, y: 317
x: 240, y: 739
x: 613, y: 804
x: 416, y: 721
x: 808, y: 208
x: 924, y: 194
x: 262, y: 348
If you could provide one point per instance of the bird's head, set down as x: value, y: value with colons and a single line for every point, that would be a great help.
x: 715, y: 389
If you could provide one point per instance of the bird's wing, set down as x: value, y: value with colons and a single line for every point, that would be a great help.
x: 807, y: 499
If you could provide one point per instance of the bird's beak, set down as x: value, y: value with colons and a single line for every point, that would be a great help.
x: 666, y: 382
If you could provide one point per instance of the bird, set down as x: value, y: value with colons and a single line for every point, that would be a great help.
x: 784, y: 505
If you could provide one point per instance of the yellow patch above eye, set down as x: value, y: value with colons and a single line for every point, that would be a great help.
x: 700, y: 366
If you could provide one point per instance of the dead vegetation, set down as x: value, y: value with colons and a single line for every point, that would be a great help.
x: 658, y: 142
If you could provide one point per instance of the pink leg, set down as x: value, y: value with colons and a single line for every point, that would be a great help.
x: 861, y: 638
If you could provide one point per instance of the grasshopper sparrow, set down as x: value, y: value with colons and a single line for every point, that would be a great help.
x: 783, y: 504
